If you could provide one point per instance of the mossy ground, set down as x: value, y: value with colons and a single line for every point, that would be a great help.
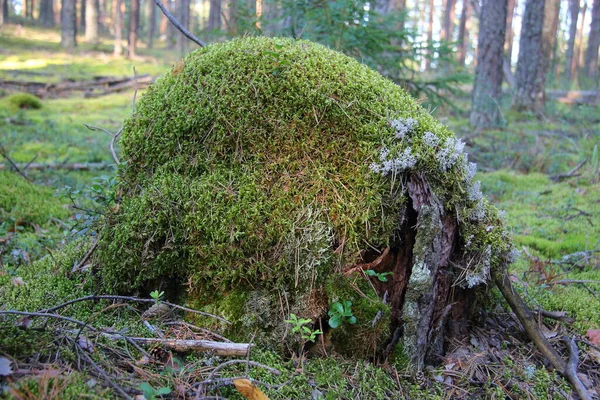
x: 333, y: 376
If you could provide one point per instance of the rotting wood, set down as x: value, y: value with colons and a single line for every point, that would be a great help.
x: 92, y: 88
x: 574, y: 96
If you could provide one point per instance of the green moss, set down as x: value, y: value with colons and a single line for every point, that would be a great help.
x: 22, y: 101
x: 255, y: 165
x: 26, y: 202
x: 70, y: 386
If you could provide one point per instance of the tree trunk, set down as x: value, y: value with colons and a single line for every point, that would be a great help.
x: 47, y: 13
x: 487, y: 89
x: 134, y: 24
x: 510, y: 33
x: 3, y: 12
x: 590, y: 67
x: 532, y: 63
x: 118, y: 10
x: 184, y: 18
x: 550, y: 31
x: 569, y: 62
x: 151, y: 24
x: 449, y: 15
x: 463, y: 34
x: 68, y: 16
x: 91, y: 21
x: 430, y: 36
x: 82, y: 12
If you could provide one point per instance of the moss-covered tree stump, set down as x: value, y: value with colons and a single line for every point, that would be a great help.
x: 265, y: 177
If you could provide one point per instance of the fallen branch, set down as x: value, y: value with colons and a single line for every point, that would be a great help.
x: 16, y: 167
x: 530, y: 324
x: 186, y: 345
x: 56, y: 166
x: 574, y: 96
x: 570, y: 174
x: 177, y: 25
x: 131, y: 298
x: 86, y: 257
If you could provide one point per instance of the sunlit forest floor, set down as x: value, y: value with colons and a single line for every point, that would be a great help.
x: 528, y: 168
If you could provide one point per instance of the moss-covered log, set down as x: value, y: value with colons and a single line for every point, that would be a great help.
x: 265, y: 177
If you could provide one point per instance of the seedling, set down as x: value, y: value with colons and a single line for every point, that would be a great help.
x: 382, y: 276
x: 340, y: 313
x: 299, y: 326
x: 156, y: 295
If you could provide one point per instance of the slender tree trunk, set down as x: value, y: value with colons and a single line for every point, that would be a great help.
x: 184, y: 18
x: 578, y: 53
x: 151, y: 24
x: 3, y: 12
x: 510, y: 32
x: 26, y: 9
x: 91, y: 23
x: 134, y: 25
x: 449, y: 16
x: 550, y: 31
x: 118, y: 9
x: 487, y: 89
x: 82, y: 16
x: 532, y: 63
x: 463, y: 34
x: 68, y: 38
x: 430, y: 36
x: 47, y: 13
x: 573, y: 17
x: 590, y: 66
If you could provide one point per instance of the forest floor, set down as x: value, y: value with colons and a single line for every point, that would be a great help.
x: 528, y: 168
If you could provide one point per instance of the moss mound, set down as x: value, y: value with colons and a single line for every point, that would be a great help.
x: 23, y: 101
x: 24, y: 202
x: 268, y: 174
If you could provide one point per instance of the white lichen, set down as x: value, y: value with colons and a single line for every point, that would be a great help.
x: 450, y: 153
x: 403, y: 161
x: 430, y: 139
x: 420, y: 273
x: 403, y: 126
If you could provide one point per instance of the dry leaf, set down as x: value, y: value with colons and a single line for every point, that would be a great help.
x: 594, y: 336
x: 24, y: 322
x: 249, y: 390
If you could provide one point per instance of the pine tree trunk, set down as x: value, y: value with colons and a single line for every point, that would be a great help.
x: 134, y: 24
x: 532, y: 63
x: 449, y: 15
x: 47, y: 13
x: 510, y: 33
x: 550, y: 31
x: 569, y: 62
x: 68, y: 16
x: 91, y: 21
x: 463, y: 34
x: 430, y: 36
x: 118, y: 10
x: 3, y: 12
x: 82, y: 17
x: 151, y: 24
x: 184, y: 18
x: 487, y: 89
x: 590, y: 67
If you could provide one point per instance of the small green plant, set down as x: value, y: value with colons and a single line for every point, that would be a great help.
x: 156, y: 295
x: 299, y: 326
x: 150, y: 393
x: 382, y: 276
x: 340, y: 313
x: 24, y: 101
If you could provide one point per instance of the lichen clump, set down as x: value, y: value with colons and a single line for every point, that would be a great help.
x: 273, y: 165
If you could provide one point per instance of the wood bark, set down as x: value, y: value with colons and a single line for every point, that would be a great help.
x: 590, y: 66
x: 91, y: 21
x: 532, y: 63
x: 181, y: 43
x: 487, y: 89
x: 449, y: 16
x: 430, y: 36
x: 68, y: 16
x: 118, y: 7
x: 510, y: 32
x: 151, y: 24
x: 578, y: 56
x: 134, y: 25
x: 46, y: 13
x: 569, y: 56
x: 181, y: 345
x: 82, y: 12
x: 4, y: 12
x: 463, y: 34
x: 550, y: 31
